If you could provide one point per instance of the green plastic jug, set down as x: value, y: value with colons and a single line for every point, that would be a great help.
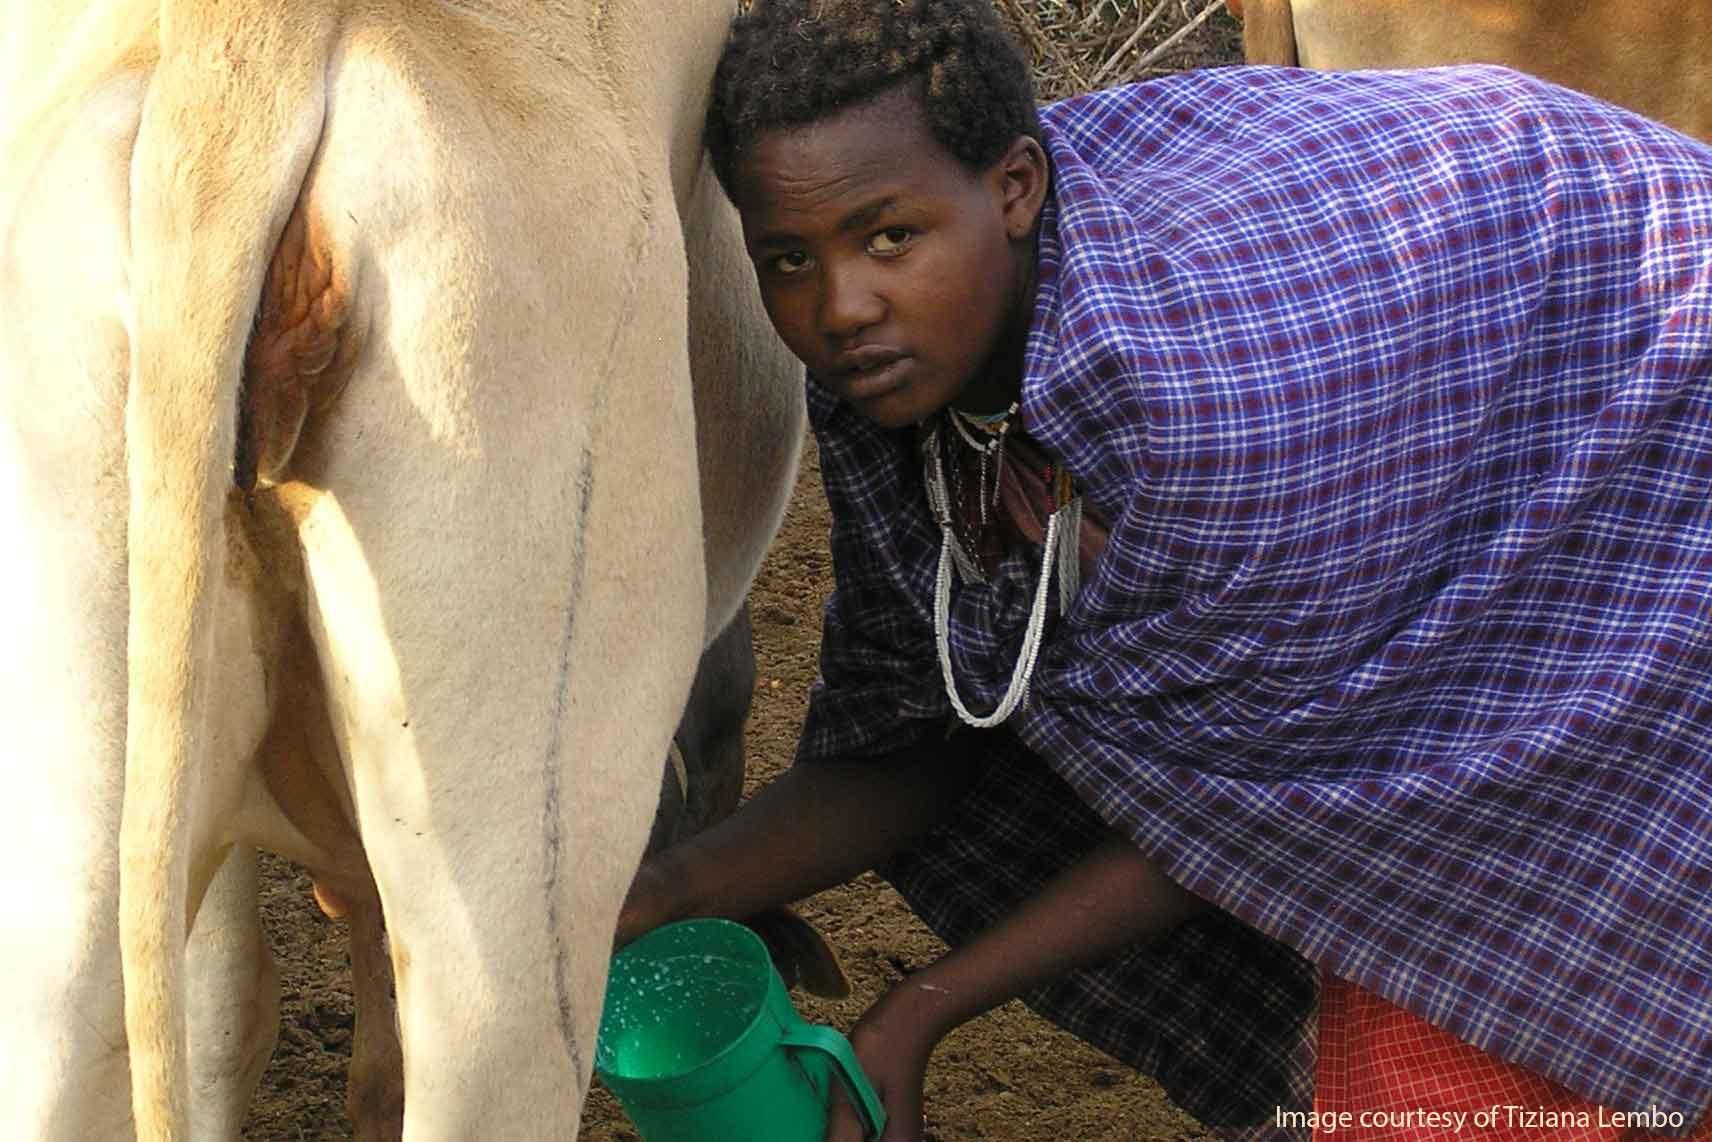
x: 700, y: 1043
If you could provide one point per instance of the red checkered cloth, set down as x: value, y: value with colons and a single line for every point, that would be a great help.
x: 1386, y: 1074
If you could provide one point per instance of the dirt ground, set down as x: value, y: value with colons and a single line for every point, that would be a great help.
x: 1007, y: 1077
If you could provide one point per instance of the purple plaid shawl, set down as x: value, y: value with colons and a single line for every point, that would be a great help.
x: 1396, y: 390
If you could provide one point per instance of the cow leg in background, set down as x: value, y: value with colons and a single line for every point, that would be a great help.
x: 374, y: 1084
x: 375, y: 1087
x: 709, y: 739
x: 1268, y: 31
x: 233, y: 990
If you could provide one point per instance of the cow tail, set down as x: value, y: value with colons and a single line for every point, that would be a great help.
x: 230, y: 122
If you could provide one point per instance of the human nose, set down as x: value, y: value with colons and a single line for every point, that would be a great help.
x: 848, y: 302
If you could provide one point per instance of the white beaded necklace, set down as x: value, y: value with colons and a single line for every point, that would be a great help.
x: 1054, y: 549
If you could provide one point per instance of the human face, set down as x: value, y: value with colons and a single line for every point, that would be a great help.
x: 900, y: 277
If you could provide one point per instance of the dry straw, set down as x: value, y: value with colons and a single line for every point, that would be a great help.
x: 1076, y: 45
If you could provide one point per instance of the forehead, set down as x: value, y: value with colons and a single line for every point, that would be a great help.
x: 879, y: 149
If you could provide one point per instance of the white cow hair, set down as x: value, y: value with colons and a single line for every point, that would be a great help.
x: 440, y: 662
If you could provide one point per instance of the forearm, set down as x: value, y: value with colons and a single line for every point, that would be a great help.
x: 1109, y: 899
x: 814, y: 827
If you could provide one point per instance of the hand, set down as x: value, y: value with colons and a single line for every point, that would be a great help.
x: 893, y: 1042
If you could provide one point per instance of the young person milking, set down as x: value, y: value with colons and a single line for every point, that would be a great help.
x: 1272, y: 528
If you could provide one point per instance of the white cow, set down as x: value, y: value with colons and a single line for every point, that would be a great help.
x: 439, y: 256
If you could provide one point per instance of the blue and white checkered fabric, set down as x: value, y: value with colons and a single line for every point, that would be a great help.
x: 1396, y: 391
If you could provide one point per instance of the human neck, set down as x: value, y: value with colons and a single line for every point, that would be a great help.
x: 994, y: 391
x: 998, y: 385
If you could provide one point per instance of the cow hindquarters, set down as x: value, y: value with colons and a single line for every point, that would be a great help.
x: 501, y: 533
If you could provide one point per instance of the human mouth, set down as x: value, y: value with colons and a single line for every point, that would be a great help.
x: 871, y: 372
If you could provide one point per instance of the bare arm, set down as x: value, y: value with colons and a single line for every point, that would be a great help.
x: 814, y: 827
x: 1109, y: 899
x: 1104, y: 902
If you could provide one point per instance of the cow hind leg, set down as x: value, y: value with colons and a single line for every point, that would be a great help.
x: 501, y: 532
x: 503, y: 808
x: 64, y: 1074
x: 506, y: 642
x: 374, y: 1095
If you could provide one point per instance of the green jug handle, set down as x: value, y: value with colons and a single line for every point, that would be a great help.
x: 849, y: 1071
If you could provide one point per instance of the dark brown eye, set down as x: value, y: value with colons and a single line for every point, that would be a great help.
x: 891, y: 240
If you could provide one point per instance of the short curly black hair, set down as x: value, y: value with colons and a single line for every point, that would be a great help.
x: 790, y: 62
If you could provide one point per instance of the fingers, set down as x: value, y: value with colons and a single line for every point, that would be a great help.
x: 646, y: 906
x: 843, y: 1124
x: 637, y: 917
x: 904, y: 1121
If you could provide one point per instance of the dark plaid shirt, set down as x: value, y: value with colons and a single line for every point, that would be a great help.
x: 1396, y: 390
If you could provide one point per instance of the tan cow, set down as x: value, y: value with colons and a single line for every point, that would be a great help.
x: 420, y: 272
x: 1654, y: 56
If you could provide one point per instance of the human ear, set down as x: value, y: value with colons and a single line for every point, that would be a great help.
x: 1020, y: 179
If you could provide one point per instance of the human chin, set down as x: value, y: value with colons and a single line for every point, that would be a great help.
x: 887, y: 412
x: 887, y: 396
x: 898, y: 408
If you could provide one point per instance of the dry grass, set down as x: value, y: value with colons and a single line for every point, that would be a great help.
x: 1076, y: 45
